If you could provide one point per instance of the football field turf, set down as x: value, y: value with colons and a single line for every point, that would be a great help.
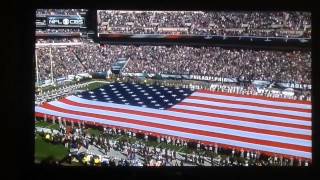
x: 47, y: 151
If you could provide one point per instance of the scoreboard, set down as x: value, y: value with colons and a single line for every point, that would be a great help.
x: 65, y: 21
x: 61, y: 21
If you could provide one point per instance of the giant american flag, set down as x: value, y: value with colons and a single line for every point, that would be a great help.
x: 276, y: 126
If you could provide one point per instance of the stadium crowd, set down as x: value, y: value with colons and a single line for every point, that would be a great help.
x: 294, y: 66
x: 58, y: 40
x: 70, y: 60
x: 279, y: 66
x: 275, y: 24
x: 139, y: 153
x: 58, y: 30
x: 57, y: 12
x: 60, y: 11
x: 64, y: 62
x: 241, y: 64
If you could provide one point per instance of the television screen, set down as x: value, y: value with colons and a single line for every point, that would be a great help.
x: 173, y: 88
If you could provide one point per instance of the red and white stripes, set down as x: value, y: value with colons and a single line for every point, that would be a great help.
x: 252, y: 122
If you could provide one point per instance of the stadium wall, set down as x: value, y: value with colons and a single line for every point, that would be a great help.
x: 229, y: 41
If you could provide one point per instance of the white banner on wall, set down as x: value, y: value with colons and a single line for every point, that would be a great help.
x: 295, y: 85
x: 259, y: 83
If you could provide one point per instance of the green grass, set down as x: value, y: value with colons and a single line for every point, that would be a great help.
x: 187, y: 150
x: 48, y: 88
x: 151, y: 143
x: 132, y: 139
x: 94, y: 132
x: 53, y: 126
x: 127, y: 138
x: 169, y: 146
x: 45, y: 150
x: 122, y: 138
x: 42, y: 124
x: 110, y: 136
x: 47, y: 125
x: 184, y: 149
x: 93, y: 86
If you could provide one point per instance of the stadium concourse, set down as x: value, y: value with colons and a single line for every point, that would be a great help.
x: 236, y: 107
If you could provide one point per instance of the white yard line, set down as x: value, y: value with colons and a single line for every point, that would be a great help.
x: 49, y: 125
x: 118, y: 138
x: 180, y: 149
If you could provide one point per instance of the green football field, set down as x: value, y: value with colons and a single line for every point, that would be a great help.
x: 45, y: 151
x: 93, y: 85
x: 47, y: 125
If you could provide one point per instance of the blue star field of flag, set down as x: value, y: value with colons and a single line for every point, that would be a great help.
x: 143, y: 95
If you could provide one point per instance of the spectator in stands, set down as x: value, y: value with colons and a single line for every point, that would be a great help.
x: 284, y: 24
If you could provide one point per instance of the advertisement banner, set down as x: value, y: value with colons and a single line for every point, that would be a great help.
x: 260, y: 83
x: 230, y: 80
x: 295, y: 85
x: 72, y: 34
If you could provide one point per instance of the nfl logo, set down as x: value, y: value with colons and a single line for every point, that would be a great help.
x: 65, y: 21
